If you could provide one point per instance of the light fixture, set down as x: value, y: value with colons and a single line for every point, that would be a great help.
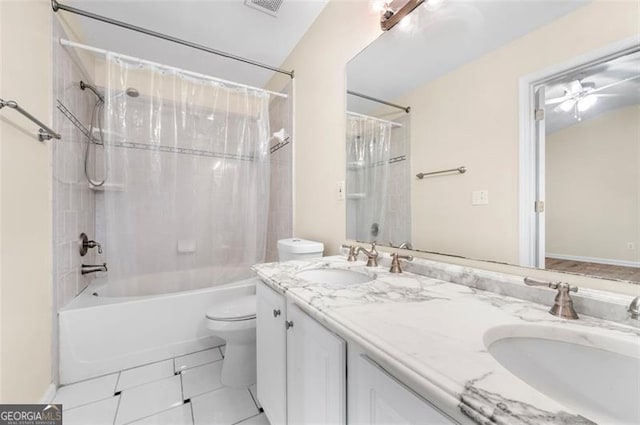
x: 405, y: 23
x: 586, y: 102
x: 390, y: 19
x: 567, y: 105
x: 432, y: 5
x: 379, y: 6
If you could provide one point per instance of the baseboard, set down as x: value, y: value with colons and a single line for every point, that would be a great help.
x: 597, y: 260
x: 49, y: 394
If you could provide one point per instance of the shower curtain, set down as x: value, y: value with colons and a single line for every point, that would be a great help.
x: 188, y: 177
x: 368, y: 154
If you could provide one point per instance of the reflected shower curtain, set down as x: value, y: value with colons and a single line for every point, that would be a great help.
x: 188, y: 183
x: 368, y: 154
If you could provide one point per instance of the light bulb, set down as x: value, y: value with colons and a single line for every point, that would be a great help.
x: 433, y: 4
x: 378, y: 6
x: 586, y: 102
x: 567, y: 105
x: 405, y: 23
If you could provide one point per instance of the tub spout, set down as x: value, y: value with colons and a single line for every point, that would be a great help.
x: 92, y: 268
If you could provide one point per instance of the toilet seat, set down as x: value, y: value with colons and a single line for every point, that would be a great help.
x: 235, y: 310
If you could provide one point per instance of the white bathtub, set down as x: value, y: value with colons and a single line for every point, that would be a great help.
x: 104, y: 334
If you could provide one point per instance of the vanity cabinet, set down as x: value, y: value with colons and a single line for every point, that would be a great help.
x: 301, y: 366
x: 271, y: 348
x: 377, y: 398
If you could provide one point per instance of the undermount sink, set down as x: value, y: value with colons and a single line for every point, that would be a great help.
x: 595, y: 374
x: 334, y: 276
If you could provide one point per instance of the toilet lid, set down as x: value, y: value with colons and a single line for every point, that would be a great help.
x: 242, y: 308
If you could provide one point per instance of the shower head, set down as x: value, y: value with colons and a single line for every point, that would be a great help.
x: 95, y: 91
x: 132, y: 92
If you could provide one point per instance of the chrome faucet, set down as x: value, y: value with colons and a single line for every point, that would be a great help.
x: 372, y: 255
x: 353, y: 252
x: 634, y: 308
x: 403, y: 245
x: 395, y: 262
x: 92, y: 268
x: 563, y: 305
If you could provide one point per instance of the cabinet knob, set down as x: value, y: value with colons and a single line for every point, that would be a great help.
x: 276, y: 313
x: 288, y: 324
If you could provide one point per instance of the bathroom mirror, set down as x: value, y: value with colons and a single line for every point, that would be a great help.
x: 524, y: 124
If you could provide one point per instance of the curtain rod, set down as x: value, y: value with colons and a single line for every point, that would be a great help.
x: 407, y: 109
x: 357, y: 115
x: 65, y: 42
x: 56, y: 6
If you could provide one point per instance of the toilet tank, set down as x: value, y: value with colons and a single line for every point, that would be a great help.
x: 299, y: 249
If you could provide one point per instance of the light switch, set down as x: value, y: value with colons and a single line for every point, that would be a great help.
x: 480, y: 197
x: 340, y: 190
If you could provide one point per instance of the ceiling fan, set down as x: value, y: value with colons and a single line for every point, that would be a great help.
x: 580, y: 96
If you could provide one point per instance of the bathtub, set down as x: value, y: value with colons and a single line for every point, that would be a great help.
x: 101, y: 333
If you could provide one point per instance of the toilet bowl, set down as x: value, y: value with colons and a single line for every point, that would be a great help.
x: 235, y: 322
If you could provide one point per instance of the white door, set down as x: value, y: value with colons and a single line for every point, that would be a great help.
x: 271, y: 353
x: 382, y: 400
x: 540, y: 177
x: 316, y: 372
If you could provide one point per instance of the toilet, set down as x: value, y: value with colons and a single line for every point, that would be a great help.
x: 235, y: 321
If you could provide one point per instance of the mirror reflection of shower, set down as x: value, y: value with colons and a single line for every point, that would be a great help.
x: 96, y: 123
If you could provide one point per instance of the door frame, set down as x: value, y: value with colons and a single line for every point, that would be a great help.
x: 531, y: 181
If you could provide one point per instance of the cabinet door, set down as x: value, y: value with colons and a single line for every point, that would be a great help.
x: 316, y: 372
x: 271, y: 353
x: 382, y: 400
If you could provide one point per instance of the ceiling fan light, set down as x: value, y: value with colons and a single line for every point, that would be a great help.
x: 567, y: 105
x: 586, y: 102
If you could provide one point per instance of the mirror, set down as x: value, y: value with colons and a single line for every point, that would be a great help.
x: 523, y: 120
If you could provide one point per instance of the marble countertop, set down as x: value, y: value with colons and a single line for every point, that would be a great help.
x: 430, y: 334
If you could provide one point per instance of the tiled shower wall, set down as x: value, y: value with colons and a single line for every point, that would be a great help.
x: 73, y: 201
x: 281, y: 190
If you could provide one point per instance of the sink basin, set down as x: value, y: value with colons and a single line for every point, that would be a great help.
x: 594, y: 374
x: 334, y: 276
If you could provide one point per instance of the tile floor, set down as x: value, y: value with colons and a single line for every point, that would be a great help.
x: 185, y: 390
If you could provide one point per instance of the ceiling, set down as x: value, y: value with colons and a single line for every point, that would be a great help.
x: 618, y: 94
x: 440, y: 41
x: 226, y: 25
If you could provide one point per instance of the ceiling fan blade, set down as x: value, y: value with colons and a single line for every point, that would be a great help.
x: 608, y: 86
x: 556, y: 100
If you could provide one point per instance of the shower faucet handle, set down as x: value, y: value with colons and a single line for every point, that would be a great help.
x: 86, y: 244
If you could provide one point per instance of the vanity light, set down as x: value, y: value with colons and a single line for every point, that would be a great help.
x: 379, y: 6
x: 432, y: 5
x: 390, y: 19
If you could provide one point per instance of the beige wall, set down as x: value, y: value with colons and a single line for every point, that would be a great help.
x: 593, y: 187
x: 470, y: 117
x: 319, y: 60
x: 25, y: 208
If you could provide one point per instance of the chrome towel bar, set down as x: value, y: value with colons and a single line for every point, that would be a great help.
x: 44, y: 133
x: 460, y: 170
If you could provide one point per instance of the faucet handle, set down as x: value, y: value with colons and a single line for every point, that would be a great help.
x: 634, y: 308
x: 353, y: 252
x: 563, y: 304
x: 395, y: 262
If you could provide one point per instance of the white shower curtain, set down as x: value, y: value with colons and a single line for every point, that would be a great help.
x: 368, y: 154
x: 188, y: 178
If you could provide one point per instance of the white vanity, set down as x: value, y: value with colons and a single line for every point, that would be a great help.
x: 413, y: 349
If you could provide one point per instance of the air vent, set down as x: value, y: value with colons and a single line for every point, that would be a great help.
x: 270, y: 7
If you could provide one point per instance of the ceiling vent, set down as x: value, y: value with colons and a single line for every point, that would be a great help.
x: 270, y: 7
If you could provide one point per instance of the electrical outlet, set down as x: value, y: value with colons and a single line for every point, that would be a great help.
x: 631, y: 246
x: 480, y: 197
x: 340, y: 190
